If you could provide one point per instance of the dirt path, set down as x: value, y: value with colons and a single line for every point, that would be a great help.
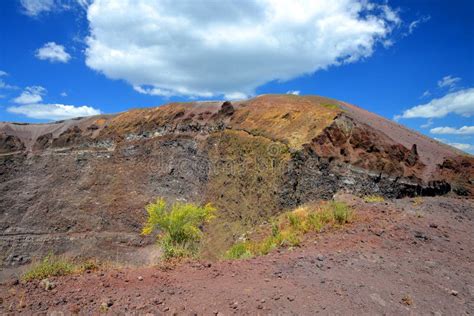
x: 399, y: 258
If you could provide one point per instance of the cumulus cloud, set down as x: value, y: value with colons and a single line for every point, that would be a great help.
x: 229, y: 48
x: 53, y: 52
x: 53, y: 111
x: 33, y: 94
x: 460, y: 102
x: 448, y: 82
x: 294, y: 92
x: 465, y: 130
x: 3, y: 73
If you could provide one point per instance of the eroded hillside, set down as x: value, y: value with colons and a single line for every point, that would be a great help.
x: 79, y: 187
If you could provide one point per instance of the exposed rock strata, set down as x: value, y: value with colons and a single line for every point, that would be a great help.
x: 252, y: 159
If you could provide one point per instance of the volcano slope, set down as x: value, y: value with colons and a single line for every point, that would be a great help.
x: 79, y: 187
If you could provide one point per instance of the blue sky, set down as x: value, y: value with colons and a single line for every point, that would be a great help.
x: 409, y: 60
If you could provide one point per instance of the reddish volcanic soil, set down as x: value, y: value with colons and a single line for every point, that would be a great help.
x: 400, y: 257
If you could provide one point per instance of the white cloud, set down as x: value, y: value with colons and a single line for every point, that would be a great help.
x: 228, y: 47
x: 425, y: 94
x: 4, y: 85
x: 236, y: 96
x: 33, y: 94
x: 63, y: 94
x: 413, y: 25
x: 53, y: 52
x: 462, y: 146
x: 465, y: 130
x: 295, y: 92
x: 460, y: 102
x: 152, y: 91
x: 53, y: 111
x: 35, y: 8
x: 448, y: 82
x: 427, y: 124
x: 84, y: 3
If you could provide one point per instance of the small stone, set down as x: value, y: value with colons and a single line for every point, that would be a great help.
x: 14, y: 282
x: 421, y: 235
x: 103, y: 307
x: 291, y: 298
x: 259, y: 306
x: 108, y: 302
x: 454, y: 293
x: 320, y: 258
x: 433, y: 225
x: 407, y: 300
x: 47, y: 285
x: 140, y: 278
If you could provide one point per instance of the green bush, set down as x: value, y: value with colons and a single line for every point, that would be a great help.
x: 238, y: 251
x: 179, y: 226
x: 341, y: 212
x: 48, y: 267
x: 317, y: 220
x: 295, y: 220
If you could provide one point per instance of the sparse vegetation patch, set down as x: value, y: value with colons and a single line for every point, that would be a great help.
x: 288, y: 230
x: 48, y: 267
x: 373, y: 198
x: 51, y: 266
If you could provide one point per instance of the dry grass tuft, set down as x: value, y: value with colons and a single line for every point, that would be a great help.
x: 288, y: 230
